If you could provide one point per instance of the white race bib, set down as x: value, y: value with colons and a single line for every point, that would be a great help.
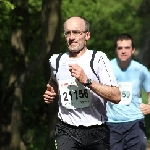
x: 126, y: 92
x: 74, y: 94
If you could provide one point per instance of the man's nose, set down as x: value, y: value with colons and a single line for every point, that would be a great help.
x: 123, y: 50
x: 71, y: 36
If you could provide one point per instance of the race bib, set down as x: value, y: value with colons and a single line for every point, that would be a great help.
x: 74, y: 94
x: 126, y: 92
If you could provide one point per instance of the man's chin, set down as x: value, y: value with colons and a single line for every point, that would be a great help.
x: 74, y: 51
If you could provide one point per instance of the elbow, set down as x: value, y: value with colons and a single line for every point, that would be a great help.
x: 117, y: 97
x: 116, y: 101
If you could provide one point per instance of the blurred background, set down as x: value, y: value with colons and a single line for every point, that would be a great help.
x: 30, y: 32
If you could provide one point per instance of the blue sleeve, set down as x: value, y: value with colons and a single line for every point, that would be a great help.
x: 146, y: 80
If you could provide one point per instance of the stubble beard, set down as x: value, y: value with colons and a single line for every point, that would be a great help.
x: 75, y: 49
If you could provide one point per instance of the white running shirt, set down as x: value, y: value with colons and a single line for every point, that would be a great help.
x: 78, y: 105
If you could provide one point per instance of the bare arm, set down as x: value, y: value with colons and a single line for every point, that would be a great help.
x: 111, y: 93
x: 53, y: 84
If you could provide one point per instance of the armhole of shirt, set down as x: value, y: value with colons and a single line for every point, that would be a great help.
x: 57, y: 61
x: 91, y: 63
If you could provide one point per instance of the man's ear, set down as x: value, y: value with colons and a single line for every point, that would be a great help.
x: 133, y: 50
x: 87, y: 37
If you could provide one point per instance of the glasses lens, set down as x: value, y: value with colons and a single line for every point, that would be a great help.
x: 67, y: 33
x: 76, y: 32
x: 73, y: 32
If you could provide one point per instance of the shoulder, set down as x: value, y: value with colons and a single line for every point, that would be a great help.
x: 113, y: 61
x: 139, y: 67
x: 54, y: 57
x: 114, y: 64
x: 98, y: 55
x: 101, y: 54
x: 96, y: 51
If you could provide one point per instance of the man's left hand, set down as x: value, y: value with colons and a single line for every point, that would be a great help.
x: 145, y: 108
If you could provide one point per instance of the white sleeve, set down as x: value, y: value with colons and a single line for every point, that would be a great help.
x: 105, y: 72
x: 52, y: 62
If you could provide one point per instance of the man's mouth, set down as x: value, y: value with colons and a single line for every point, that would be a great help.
x: 73, y: 44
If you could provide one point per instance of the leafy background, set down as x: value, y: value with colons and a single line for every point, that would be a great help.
x: 107, y: 19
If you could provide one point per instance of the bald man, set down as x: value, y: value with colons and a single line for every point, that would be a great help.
x: 83, y: 91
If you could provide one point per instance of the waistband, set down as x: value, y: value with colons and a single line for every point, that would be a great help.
x: 81, y: 126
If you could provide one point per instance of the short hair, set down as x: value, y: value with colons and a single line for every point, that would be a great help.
x: 87, y: 25
x: 124, y: 36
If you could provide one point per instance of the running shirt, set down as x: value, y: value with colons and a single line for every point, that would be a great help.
x: 78, y: 105
x: 131, y: 82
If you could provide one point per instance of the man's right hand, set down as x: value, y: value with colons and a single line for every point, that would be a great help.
x: 49, y: 94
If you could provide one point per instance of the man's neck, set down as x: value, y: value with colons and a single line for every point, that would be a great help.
x: 77, y: 54
x: 124, y: 64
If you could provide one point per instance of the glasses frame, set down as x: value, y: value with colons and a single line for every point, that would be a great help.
x: 75, y: 33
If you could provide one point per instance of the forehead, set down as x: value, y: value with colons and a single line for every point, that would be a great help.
x: 74, y: 23
x: 124, y: 43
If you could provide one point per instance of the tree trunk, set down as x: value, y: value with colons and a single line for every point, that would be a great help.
x: 19, y: 48
x: 21, y: 72
x: 144, y: 14
x: 144, y: 55
x: 52, y: 9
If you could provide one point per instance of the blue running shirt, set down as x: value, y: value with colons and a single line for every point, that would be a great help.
x: 135, y: 78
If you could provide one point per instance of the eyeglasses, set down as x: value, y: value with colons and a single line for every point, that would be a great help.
x: 74, y: 33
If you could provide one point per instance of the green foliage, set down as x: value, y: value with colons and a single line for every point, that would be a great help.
x: 107, y: 19
x: 7, y: 4
x: 34, y: 117
x: 35, y: 6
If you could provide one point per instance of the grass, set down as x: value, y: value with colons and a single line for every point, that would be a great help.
x: 147, y: 117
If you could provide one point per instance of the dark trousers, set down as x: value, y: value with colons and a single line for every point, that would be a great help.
x: 70, y: 137
x: 128, y: 135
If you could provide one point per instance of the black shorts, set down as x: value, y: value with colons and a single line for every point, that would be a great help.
x: 70, y: 137
x: 128, y: 136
